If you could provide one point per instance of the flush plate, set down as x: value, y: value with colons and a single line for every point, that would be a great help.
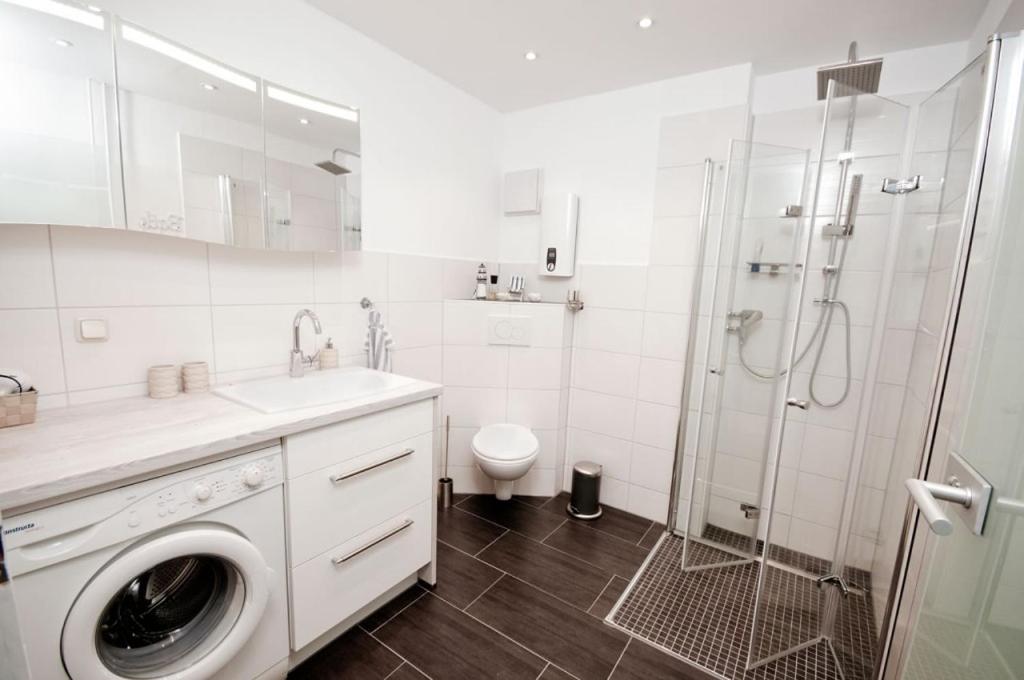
x: 506, y: 329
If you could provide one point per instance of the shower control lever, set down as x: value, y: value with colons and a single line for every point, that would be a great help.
x: 835, y: 580
x: 801, y: 404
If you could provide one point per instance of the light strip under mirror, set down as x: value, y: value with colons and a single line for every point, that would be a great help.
x: 310, y: 104
x: 187, y: 57
x: 64, y: 11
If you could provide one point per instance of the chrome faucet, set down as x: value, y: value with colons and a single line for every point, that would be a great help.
x: 299, y: 361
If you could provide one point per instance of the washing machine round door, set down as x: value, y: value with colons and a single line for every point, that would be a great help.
x: 180, y: 605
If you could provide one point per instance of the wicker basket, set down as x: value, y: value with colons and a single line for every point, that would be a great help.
x: 18, y: 409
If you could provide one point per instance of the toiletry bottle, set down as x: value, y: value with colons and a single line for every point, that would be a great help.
x: 328, y: 355
x: 492, y: 288
x: 481, y: 282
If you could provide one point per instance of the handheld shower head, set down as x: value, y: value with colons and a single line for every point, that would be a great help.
x: 739, y: 322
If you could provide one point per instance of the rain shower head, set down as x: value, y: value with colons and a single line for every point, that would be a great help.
x: 335, y: 168
x: 852, y: 77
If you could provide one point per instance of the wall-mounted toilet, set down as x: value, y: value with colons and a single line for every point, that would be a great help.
x: 505, y: 452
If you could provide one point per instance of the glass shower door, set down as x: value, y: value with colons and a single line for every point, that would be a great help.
x: 809, y: 597
x: 751, y: 272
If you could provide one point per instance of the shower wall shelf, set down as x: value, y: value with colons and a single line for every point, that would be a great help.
x: 772, y: 268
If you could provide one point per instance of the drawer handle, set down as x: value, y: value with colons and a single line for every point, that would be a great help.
x: 348, y: 475
x: 345, y: 558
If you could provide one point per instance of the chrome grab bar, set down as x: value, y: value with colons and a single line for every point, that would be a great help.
x: 348, y: 475
x: 927, y: 496
x: 346, y: 557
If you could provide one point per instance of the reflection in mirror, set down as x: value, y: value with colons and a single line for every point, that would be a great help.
x: 314, y: 172
x: 192, y: 140
x: 58, y: 150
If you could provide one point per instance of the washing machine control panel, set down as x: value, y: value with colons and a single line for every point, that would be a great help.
x: 149, y: 505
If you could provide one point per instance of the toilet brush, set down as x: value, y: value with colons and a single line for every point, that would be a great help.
x: 445, y: 483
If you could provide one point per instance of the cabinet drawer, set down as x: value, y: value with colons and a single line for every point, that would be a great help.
x: 333, y: 504
x: 312, y: 450
x: 336, y: 584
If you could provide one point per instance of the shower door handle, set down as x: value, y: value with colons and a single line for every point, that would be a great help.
x: 927, y: 495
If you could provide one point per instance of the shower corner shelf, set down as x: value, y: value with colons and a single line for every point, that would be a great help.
x: 772, y: 268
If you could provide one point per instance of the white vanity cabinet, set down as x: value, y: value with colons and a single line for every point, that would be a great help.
x: 360, y: 513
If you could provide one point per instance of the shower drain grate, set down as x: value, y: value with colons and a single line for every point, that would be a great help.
x: 705, y: 617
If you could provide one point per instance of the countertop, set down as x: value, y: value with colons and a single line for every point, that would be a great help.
x: 71, y: 451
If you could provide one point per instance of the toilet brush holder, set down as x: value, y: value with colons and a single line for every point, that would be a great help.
x: 445, y: 491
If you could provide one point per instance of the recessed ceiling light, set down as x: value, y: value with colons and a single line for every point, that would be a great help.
x: 94, y: 8
x: 209, y: 87
x: 530, y: 56
x: 61, y: 42
x: 304, y: 121
x: 311, y: 104
x: 645, y: 22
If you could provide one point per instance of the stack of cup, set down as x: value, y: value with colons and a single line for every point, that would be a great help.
x: 163, y: 381
x: 195, y: 375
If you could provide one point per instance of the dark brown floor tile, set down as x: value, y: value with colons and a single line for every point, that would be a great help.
x: 603, y: 550
x: 562, y: 634
x: 609, y: 597
x: 353, y: 656
x: 519, y: 517
x: 554, y: 673
x: 576, y: 582
x: 465, y: 531
x: 619, y: 523
x: 643, y: 662
x: 652, y: 535
x: 445, y: 643
x: 461, y: 578
x: 407, y: 672
x: 395, y: 605
x: 534, y: 501
x: 459, y: 497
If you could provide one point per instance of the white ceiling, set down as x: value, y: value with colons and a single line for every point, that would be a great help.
x: 590, y: 46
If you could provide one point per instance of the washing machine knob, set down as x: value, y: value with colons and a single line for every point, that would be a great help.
x: 252, y: 476
x: 202, y: 492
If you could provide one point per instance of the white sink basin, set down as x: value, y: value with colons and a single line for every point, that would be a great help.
x: 316, y: 388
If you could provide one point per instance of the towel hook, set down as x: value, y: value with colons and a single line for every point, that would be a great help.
x: 366, y: 303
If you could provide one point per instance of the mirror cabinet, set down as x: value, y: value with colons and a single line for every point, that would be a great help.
x: 107, y: 124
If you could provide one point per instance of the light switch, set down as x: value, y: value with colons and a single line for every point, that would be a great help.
x: 509, y: 330
x: 92, y: 330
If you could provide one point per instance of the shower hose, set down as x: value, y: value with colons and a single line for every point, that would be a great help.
x: 821, y: 328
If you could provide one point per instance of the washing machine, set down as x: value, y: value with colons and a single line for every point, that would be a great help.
x: 180, y: 576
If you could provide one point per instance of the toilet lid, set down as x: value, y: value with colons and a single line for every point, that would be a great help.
x: 505, y: 441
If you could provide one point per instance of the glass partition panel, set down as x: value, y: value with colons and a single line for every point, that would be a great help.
x: 745, y: 310
x: 58, y: 137
x: 810, y: 603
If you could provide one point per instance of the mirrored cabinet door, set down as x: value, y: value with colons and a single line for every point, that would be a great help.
x: 58, y: 129
x: 192, y: 142
x: 314, y: 172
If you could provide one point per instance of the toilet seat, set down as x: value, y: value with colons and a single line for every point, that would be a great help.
x: 505, y: 443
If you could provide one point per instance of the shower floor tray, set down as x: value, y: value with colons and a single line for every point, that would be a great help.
x: 705, y: 617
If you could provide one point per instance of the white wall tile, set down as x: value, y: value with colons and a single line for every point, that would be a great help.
x: 651, y: 468
x: 647, y: 503
x: 259, y: 277
x: 535, y: 409
x: 813, y: 539
x: 677, y: 190
x: 665, y: 335
x: 660, y: 381
x: 675, y: 241
x: 329, y: 276
x: 465, y: 321
x: 605, y: 372
x: 602, y: 413
x: 108, y: 268
x: 618, y: 287
x: 475, y: 366
x: 656, y: 425
x: 412, y: 278
x: 818, y: 499
x: 475, y: 406
x: 547, y: 322
x: 140, y: 337
x: 422, y: 363
x: 460, y: 278
x: 611, y: 453
x: 26, y: 277
x: 415, y: 324
x: 345, y: 323
x: 254, y: 336
x: 536, y: 368
x: 826, y: 451
x: 611, y: 330
x: 31, y: 344
x: 669, y: 289
x: 365, y: 274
